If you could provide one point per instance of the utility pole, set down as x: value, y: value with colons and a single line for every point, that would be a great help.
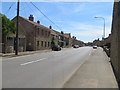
x: 17, y: 38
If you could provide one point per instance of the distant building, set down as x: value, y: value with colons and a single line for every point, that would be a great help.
x: 76, y: 42
x: 68, y: 39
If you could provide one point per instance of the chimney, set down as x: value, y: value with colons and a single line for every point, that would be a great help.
x: 50, y: 27
x: 31, y: 18
x: 38, y: 22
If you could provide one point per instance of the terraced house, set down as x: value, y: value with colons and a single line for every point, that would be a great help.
x: 34, y: 36
x: 37, y: 36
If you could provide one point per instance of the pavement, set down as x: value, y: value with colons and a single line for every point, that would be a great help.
x: 8, y: 55
x: 95, y: 72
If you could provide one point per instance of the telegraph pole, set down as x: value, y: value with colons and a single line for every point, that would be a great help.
x: 17, y: 38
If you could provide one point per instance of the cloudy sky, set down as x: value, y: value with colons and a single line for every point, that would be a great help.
x: 76, y: 18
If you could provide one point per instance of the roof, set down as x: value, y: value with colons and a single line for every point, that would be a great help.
x: 53, y: 32
x: 67, y: 35
x: 39, y: 25
x: 58, y: 33
x: 34, y: 23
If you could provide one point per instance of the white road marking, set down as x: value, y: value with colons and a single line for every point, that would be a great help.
x: 32, y: 62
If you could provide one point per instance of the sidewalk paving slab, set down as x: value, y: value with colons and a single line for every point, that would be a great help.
x: 95, y: 72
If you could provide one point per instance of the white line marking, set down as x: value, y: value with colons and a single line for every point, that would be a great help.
x: 32, y: 62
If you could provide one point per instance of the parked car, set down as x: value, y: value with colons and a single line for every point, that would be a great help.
x: 94, y: 47
x: 56, y: 48
x: 80, y: 45
x: 75, y: 46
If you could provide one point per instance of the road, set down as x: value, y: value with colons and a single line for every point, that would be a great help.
x: 45, y: 70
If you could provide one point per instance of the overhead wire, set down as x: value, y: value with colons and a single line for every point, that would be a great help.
x: 29, y: 7
x: 45, y: 15
x: 24, y: 9
x: 10, y: 7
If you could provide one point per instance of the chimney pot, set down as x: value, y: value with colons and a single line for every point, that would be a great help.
x: 38, y: 22
x: 31, y: 18
x: 50, y: 27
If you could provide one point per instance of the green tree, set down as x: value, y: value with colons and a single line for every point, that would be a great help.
x: 8, y: 27
x: 53, y: 41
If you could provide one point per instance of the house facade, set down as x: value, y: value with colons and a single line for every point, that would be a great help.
x: 9, y: 45
x: 38, y: 37
x: 76, y: 42
x: 34, y: 36
x: 68, y: 39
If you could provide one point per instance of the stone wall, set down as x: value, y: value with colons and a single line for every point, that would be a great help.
x: 0, y: 34
x: 115, y: 40
x: 36, y: 35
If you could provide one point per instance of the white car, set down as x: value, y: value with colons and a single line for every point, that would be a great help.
x: 94, y: 47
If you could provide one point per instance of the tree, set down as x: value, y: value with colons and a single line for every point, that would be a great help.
x: 8, y: 27
x: 53, y: 41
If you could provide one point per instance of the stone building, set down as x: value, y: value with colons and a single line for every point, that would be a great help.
x: 103, y: 42
x: 60, y: 38
x: 54, y: 37
x: 68, y: 39
x: 9, y: 46
x: 97, y: 42
x: 76, y: 42
x: 64, y: 40
x: 37, y: 36
x: 115, y: 40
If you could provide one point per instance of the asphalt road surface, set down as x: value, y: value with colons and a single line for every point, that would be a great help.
x: 44, y: 70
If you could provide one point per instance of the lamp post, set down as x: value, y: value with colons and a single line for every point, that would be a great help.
x: 103, y: 26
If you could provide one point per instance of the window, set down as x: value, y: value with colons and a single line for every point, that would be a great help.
x: 38, y: 32
x: 48, y: 33
x: 45, y: 44
x: 37, y: 43
x: 42, y: 32
x: 42, y: 43
x: 48, y: 44
x: 45, y: 33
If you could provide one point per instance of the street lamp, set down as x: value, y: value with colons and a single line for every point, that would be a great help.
x: 103, y: 27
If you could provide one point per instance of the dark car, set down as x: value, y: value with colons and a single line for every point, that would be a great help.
x: 56, y: 48
x: 75, y: 46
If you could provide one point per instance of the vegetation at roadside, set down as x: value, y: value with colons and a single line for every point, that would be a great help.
x: 8, y: 26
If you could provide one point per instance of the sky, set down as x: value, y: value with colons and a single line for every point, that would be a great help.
x: 76, y: 18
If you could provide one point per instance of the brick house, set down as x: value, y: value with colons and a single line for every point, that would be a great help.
x: 37, y: 36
